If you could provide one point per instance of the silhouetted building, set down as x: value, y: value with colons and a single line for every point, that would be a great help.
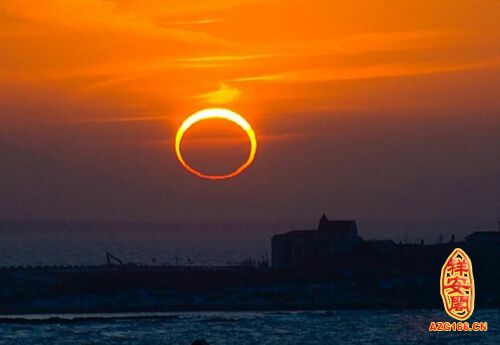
x: 305, y: 246
x: 483, y: 239
x: 382, y: 246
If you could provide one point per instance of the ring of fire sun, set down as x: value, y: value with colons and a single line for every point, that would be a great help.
x: 216, y: 113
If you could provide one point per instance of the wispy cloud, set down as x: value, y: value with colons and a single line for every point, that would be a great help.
x: 226, y: 58
x: 372, y: 55
x: 383, y: 70
x: 269, y: 77
x: 195, y: 22
x: 119, y: 119
x: 224, y: 95
x: 99, y: 15
x: 154, y: 53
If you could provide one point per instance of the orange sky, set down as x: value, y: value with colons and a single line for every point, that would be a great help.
x: 101, y: 86
x: 168, y: 58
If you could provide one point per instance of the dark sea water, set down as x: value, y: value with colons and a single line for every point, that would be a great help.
x: 224, y: 328
x: 56, y: 243
x: 39, y: 244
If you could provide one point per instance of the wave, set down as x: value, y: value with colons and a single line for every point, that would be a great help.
x: 63, y: 319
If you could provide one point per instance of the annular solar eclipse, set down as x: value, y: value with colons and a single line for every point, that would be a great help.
x: 216, y: 113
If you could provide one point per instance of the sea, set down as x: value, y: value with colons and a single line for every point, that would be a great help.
x: 230, y: 328
x: 202, y: 244
x: 62, y: 244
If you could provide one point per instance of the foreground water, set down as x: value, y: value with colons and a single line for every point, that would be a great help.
x: 222, y: 328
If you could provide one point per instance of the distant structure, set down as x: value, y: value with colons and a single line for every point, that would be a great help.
x: 299, y: 246
x: 484, y: 239
x: 112, y: 260
x: 309, y: 248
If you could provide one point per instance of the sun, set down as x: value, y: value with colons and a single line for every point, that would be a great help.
x: 216, y: 113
